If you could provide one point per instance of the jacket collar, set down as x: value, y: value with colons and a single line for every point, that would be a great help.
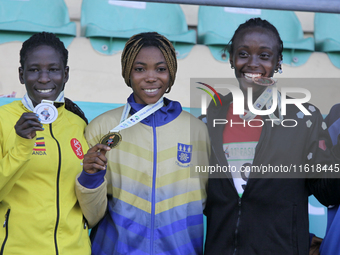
x: 27, y: 102
x: 164, y: 115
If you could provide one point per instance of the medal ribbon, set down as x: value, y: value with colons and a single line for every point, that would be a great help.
x: 146, y: 111
x: 266, y: 99
x: 27, y: 102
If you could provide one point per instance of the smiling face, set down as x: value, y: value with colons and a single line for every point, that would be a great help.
x: 149, y: 77
x: 43, y: 74
x: 255, y: 54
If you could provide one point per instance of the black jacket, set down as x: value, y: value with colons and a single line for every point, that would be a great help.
x: 272, y: 215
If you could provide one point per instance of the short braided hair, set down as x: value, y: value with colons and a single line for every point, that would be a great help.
x: 43, y: 38
x: 256, y: 23
x: 149, y: 39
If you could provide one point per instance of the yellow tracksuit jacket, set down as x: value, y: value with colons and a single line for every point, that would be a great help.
x: 39, y: 211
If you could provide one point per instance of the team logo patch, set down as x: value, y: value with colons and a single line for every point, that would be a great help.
x: 39, y: 147
x: 184, y: 154
x: 77, y: 148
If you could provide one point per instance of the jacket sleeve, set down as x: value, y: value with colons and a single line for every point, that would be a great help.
x: 93, y: 201
x: 91, y: 189
x: 11, y: 162
x: 326, y: 188
x: 203, y: 160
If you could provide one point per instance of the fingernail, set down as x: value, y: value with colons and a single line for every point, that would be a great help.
x: 39, y: 119
x: 41, y: 124
x: 37, y: 115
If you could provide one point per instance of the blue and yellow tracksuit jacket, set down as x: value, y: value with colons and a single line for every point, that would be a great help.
x: 155, y: 199
x: 39, y: 211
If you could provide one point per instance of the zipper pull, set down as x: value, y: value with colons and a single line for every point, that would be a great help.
x: 85, y: 222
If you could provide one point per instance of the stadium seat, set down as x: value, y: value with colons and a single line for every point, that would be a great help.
x: 326, y: 38
x: 110, y: 23
x: 19, y: 19
x: 216, y: 26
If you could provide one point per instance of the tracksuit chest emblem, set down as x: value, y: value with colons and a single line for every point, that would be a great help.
x: 77, y: 148
x: 184, y: 154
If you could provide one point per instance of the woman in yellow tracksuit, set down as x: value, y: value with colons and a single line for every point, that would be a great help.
x: 39, y: 162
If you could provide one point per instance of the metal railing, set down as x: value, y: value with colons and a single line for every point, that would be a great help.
x: 330, y: 6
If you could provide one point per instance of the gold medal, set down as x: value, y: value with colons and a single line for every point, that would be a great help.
x: 111, y: 139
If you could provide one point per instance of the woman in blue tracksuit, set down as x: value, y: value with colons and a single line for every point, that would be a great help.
x: 143, y: 196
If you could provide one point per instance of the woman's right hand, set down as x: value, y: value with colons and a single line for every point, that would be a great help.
x: 27, y: 125
x: 95, y: 160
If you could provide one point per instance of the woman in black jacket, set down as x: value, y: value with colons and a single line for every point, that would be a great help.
x: 258, y: 203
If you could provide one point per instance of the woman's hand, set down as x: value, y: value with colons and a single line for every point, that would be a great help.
x: 27, y: 125
x: 94, y: 159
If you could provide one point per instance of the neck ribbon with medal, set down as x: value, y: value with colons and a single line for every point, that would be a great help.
x: 265, y: 99
x: 113, y: 138
x: 46, y: 110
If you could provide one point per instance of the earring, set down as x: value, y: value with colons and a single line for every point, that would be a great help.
x: 231, y: 65
x: 279, y: 69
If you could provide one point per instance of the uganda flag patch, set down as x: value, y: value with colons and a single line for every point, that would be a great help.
x: 39, y: 147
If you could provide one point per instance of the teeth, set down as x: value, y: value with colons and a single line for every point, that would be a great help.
x: 150, y: 90
x: 252, y: 75
x: 44, y: 90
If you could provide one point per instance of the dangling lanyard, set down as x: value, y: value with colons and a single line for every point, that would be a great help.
x: 266, y: 99
x: 113, y: 138
x: 46, y: 110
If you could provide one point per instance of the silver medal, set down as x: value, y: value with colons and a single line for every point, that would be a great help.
x: 47, y: 112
